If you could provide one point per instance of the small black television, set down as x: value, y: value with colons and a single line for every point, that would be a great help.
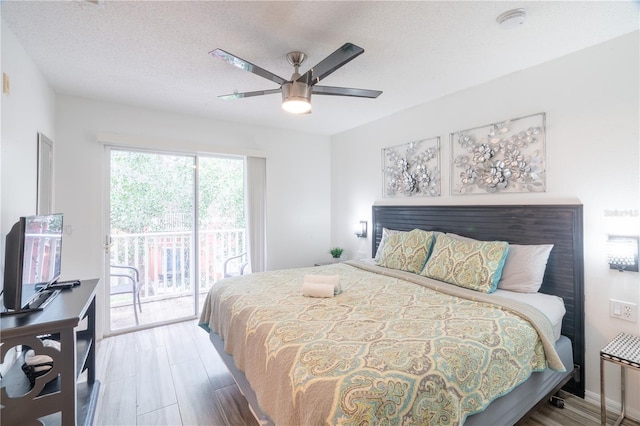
x: 33, y: 254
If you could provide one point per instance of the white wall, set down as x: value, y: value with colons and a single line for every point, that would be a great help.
x: 26, y: 110
x: 591, y: 99
x: 298, y: 180
x: 29, y: 108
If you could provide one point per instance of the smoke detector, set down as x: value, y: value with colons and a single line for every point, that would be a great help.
x: 512, y: 18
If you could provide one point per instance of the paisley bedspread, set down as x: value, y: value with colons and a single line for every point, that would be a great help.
x: 393, y: 349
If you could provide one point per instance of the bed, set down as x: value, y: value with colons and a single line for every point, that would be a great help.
x: 349, y: 369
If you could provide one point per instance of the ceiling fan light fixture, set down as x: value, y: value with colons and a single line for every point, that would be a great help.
x: 296, y: 97
x: 296, y: 92
x: 296, y: 106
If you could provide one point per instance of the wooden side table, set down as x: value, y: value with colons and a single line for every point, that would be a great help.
x: 623, y: 350
x: 70, y: 317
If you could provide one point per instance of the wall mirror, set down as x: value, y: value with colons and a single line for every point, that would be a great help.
x: 45, y: 175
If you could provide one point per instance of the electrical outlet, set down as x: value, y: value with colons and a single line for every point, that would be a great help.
x: 627, y: 311
x: 624, y: 310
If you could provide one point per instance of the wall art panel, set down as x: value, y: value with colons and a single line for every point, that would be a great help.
x: 499, y: 158
x: 412, y: 169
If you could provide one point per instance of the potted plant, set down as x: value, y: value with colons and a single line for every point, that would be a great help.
x: 336, y: 252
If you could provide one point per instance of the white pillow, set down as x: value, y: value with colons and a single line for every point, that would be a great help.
x: 524, y: 268
x: 460, y: 237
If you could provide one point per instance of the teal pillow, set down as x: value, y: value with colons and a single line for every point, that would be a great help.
x: 406, y: 251
x: 472, y: 264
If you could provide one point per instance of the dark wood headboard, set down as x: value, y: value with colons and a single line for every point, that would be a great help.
x: 560, y: 225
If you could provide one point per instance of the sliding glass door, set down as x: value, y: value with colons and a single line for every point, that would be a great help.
x: 160, y: 263
x: 221, y: 219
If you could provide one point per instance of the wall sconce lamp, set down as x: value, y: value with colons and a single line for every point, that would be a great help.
x: 360, y: 229
x: 622, y: 253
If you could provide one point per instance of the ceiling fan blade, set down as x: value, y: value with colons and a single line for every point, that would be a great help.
x: 249, y: 94
x: 345, y: 91
x: 344, y: 54
x: 247, y: 66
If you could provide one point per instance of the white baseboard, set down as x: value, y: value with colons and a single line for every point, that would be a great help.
x: 614, y: 406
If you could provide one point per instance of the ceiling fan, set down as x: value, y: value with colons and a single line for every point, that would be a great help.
x: 296, y: 92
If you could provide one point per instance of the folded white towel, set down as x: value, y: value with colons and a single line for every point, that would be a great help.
x: 321, y: 285
x: 317, y: 289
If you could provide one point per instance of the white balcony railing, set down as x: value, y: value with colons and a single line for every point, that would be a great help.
x: 165, y: 259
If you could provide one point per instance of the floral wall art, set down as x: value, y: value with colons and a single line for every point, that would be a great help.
x: 500, y: 157
x: 412, y: 169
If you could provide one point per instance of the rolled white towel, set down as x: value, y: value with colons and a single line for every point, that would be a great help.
x: 317, y: 289
x: 321, y: 285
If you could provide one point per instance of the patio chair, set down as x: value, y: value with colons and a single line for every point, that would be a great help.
x: 242, y: 259
x: 130, y: 274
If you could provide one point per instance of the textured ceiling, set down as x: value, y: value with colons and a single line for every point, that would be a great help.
x: 155, y: 53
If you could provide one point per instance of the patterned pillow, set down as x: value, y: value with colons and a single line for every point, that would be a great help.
x: 471, y: 264
x: 406, y: 251
x: 383, y: 240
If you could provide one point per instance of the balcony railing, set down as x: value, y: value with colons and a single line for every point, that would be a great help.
x: 165, y: 259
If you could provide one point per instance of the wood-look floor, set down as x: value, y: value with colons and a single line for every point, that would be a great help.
x: 172, y: 375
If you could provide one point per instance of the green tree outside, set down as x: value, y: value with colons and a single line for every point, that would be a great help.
x: 148, y: 190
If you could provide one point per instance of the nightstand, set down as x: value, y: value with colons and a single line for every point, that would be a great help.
x: 623, y: 350
x: 322, y: 263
